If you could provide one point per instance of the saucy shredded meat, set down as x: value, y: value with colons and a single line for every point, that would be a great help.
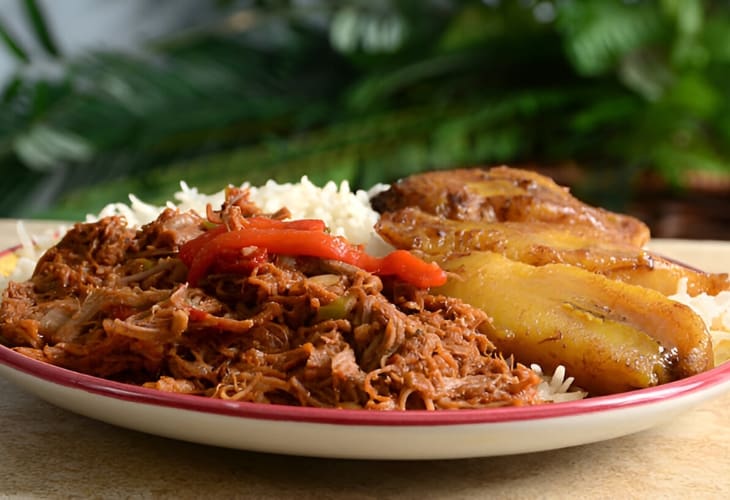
x: 116, y: 302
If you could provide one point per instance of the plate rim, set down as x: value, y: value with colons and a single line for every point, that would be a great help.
x: 361, y: 417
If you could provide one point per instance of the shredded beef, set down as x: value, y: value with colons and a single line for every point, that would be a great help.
x: 114, y: 302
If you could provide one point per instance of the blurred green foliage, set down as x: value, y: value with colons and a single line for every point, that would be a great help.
x: 369, y: 91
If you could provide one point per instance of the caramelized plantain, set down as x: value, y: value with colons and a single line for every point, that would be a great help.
x: 506, y: 194
x: 563, y: 282
x: 611, y: 336
x: 538, y: 243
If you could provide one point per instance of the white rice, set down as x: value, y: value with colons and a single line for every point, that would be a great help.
x: 557, y: 387
x: 345, y: 212
x: 715, y: 312
x: 28, y: 252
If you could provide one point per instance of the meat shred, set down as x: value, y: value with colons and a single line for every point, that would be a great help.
x: 114, y: 302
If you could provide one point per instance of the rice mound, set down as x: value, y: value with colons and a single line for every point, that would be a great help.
x: 345, y: 212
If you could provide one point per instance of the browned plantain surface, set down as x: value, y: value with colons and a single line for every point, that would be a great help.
x: 538, y: 243
x: 506, y: 194
x: 563, y: 282
x: 611, y: 336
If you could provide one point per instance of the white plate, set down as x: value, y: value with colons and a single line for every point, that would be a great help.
x: 360, y: 433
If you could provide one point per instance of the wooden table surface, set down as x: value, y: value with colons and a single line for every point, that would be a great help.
x: 46, y: 452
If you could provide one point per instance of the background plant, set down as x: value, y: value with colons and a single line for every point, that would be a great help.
x: 370, y: 91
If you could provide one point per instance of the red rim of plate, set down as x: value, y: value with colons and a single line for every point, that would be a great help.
x: 135, y: 394
x: 10, y: 250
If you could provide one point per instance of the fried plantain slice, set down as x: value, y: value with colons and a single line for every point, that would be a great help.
x: 504, y: 194
x: 539, y: 243
x: 611, y: 336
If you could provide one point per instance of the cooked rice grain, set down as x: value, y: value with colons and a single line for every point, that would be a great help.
x: 715, y: 312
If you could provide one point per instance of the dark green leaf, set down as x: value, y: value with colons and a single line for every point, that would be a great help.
x: 13, y: 46
x: 615, y: 87
x: 11, y: 90
x: 598, y: 33
x: 38, y: 22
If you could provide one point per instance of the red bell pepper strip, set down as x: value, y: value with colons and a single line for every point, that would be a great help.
x: 192, y: 247
x: 312, y: 243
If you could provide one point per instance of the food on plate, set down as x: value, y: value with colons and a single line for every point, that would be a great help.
x: 610, y: 336
x: 504, y: 194
x: 562, y: 282
x: 248, y: 306
x: 538, y: 243
x: 470, y: 288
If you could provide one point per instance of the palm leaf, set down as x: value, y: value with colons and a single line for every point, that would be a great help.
x: 12, y: 87
x: 13, y: 46
x: 40, y: 27
x: 608, y: 85
x: 364, y: 150
x: 599, y: 33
